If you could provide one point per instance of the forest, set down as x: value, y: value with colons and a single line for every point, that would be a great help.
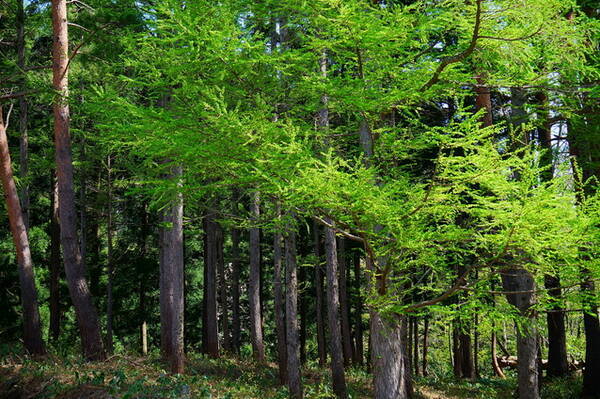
x: 384, y: 199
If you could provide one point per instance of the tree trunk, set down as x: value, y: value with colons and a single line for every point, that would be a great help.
x: 521, y: 280
x: 291, y: 309
x: 358, y: 328
x: 321, y: 345
x: 87, y: 317
x: 389, y: 363
x: 23, y: 116
x: 235, y: 290
x: 224, y: 291
x: 54, y: 261
x: 333, y: 312
x: 591, y: 325
x: 302, y: 279
x: 172, y: 283
x: 256, y: 333
x: 415, y: 329
x: 32, y: 331
x: 425, y: 345
x: 279, y: 303
x: 211, y: 333
x: 344, y: 309
x: 109, y: 261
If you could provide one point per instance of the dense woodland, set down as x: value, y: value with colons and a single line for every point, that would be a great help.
x: 354, y: 198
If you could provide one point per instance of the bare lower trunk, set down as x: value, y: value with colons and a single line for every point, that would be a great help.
x: 210, y: 328
x: 425, y: 345
x: 333, y: 313
x: 321, y: 348
x: 32, y: 332
x: 415, y: 331
x: 235, y: 290
x: 87, y: 316
x: 358, y: 328
x: 591, y: 325
x: 391, y: 379
x: 256, y: 333
x: 279, y: 304
x: 557, y: 338
x: 527, y: 350
x: 224, y: 292
x: 291, y: 317
x: 172, y: 284
x: 344, y: 308
x: 109, y: 263
x: 54, y: 261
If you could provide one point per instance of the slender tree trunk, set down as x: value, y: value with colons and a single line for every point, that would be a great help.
x: 279, y: 302
x: 143, y: 324
x: 302, y: 280
x: 224, y: 291
x: 109, y: 261
x: 54, y: 261
x: 333, y: 312
x: 87, y: 316
x: 172, y: 283
x: 591, y: 325
x: 416, y: 370
x: 527, y: 350
x: 344, y: 309
x: 256, y: 333
x: 23, y: 116
x: 321, y: 343
x: 32, y: 331
x: 358, y: 328
x: 291, y: 309
x: 235, y: 290
x: 211, y: 333
x: 425, y: 346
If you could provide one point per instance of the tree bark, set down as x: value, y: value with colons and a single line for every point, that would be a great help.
x: 321, y: 342
x: 344, y: 308
x: 109, y: 260
x: 291, y: 314
x: 415, y: 330
x: 23, y: 116
x: 172, y: 283
x: 32, y: 331
x: 87, y: 316
x: 425, y: 346
x: 358, y: 328
x: 54, y: 260
x: 211, y: 333
x: 279, y: 303
x: 256, y: 333
x: 333, y: 312
x: 224, y: 291
x: 235, y: 290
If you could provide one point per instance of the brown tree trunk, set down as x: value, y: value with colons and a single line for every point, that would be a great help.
x: 211, y: 333
x: 291, y: 316
x: 32, y: 331
x: 235, y: 290
x: 85, y: 311
x: 358, y: 328
x: 527, y: 350
x: 23, y: 116
x: 415, y: 330
x: 302, y: 279
x: 425, y: 346
x: 54, y: 261
x: 321, y: 343
x: 109, y: 260
x: 172, y: 283
x: 279, y: 303
x: 333, y: 313
x: 344, y: 308
x: 256, y: 333
x: 224, y: 291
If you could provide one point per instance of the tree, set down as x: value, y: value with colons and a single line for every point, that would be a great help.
x: 291, y: 316
x: 87, y: 316
x: 256, y: 333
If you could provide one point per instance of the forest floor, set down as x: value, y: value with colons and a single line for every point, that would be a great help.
x: 143, y: 377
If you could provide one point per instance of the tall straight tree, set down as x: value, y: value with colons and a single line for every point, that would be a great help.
x: 32, y: 331
x: 85, y: 311
x: 256, y: 332
x: 321, y: 342
x: 291, y: 315
x: 23, y: 115
x: 172, y: 282
x: 333, y: 314
x: 279, y: 301
x: 344, y: 307
x: 210, y: 337
x: 54, y: 260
